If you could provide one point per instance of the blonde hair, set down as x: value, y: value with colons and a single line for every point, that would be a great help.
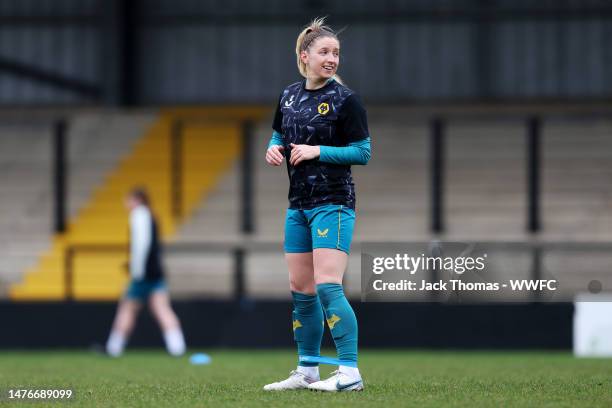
x: 315, y: 30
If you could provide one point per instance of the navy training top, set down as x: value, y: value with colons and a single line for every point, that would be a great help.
x: 329, y: 116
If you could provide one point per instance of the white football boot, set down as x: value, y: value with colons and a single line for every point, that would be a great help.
x: 296, y: 381
x: 338, y: 382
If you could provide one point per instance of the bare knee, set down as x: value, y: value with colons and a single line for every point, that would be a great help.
x: 301, y: 273
x: 162, y: 310
x: 126, y: 315
x: 159, y: 304
x: 301, y: 286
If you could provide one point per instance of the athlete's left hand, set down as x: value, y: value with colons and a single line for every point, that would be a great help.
x: 300, y: 153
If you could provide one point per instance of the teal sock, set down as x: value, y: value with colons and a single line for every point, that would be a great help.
x: 341, y: 321
x: 307, y: 326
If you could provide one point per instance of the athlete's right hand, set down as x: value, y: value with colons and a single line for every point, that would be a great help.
x: 274, y: 155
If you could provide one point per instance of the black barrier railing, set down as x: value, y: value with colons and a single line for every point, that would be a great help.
x: 176, y: 169
x: 533, y: 173
x: 247, y: 179
x: 239, y: 252
x: 438, y: 125
x: 437, y: 175
x: 60, y: 170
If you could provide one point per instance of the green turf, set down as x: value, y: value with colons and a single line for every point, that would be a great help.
x: 392, y: 378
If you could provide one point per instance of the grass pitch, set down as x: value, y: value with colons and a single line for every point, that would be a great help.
x: 235, y: 378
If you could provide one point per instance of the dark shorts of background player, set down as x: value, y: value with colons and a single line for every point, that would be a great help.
x: 141, y: 290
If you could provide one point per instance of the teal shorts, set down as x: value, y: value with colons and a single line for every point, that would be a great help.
x: 141, y: 290
x: 327, y: 226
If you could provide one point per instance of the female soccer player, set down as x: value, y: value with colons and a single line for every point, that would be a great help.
x: 320, y: 127
x: 147, y: 281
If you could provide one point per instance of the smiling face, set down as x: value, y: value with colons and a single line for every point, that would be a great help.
x: 322, y: 58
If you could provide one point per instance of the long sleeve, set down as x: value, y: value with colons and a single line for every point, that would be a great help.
x: 140, y: 241
x: 276, y: 139
x: 355, y: 153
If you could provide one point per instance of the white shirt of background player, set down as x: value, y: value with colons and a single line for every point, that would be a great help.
x: 141, y: 236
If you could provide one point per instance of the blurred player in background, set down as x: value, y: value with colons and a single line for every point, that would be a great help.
x: 147, y: 281
x: 320, y: 127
